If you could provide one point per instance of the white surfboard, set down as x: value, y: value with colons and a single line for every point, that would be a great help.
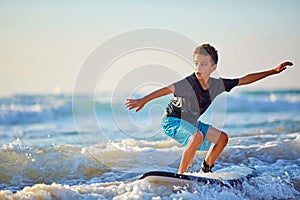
x: 231, y: 177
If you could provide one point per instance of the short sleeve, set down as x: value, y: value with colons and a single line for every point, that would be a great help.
x: 218, y: 86
x: 183, y: 87
x: 230, y: 83
x: 179, y: 87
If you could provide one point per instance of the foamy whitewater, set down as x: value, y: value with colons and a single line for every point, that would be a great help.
x: 53, y: 148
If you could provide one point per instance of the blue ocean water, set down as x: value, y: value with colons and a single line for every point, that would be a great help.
x: 82, y: 147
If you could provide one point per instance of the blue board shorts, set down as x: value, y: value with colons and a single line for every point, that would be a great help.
x: 182, y: 130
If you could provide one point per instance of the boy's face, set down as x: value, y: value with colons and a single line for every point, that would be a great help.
x: 203, y: 66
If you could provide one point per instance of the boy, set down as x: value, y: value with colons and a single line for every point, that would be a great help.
x: 192, y: 96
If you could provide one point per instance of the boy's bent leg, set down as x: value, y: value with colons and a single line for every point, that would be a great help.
x: 189, y: 151
x: 220, y: 139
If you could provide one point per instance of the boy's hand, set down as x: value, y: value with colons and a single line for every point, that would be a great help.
x: 282, y: 66
x: 134, y: 103
x: 139, y: 103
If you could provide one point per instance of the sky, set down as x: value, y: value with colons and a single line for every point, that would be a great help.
x: 45, y: 44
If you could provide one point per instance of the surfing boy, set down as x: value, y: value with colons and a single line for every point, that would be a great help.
x: 192, y: 97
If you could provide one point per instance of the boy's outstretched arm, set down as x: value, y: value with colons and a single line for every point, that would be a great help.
x: 139, y: 103
x: 250, y: 78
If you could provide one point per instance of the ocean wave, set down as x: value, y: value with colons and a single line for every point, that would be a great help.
x: 264, y: 101
x: 256, y: 188
x: 22, y: 166
x: 125, y: 160
x: 22, y: 109
x: 262, y: 187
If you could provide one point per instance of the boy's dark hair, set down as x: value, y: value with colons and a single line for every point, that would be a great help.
x: 207, y: 49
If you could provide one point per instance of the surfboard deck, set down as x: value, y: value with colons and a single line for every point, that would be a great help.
x: 230, y: 177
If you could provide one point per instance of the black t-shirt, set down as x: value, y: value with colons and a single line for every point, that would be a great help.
x: 191, y: 100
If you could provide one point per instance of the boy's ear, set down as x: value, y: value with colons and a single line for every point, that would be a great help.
x: 214, y: 67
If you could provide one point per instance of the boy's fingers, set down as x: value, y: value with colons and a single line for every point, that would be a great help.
x: 283, y: 66
x: 129, y: 107
x: 138, y: 108
x: 287, y: 63
x: 129, y: 102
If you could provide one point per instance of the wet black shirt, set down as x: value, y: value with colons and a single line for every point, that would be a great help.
x: 191, y: 100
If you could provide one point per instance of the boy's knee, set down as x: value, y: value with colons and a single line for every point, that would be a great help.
x: 223, y: 138
x: 198, y: 138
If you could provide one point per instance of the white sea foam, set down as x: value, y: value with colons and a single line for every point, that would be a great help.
x: 42, y: 156
x: 263, y: 187
x: 98, y: 167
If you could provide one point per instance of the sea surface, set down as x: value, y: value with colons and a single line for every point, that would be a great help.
x: 87, y: 147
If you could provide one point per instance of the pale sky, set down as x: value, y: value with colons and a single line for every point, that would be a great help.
x: 43, y: 44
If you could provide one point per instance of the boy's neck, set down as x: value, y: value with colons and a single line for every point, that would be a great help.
x: 203, y: 82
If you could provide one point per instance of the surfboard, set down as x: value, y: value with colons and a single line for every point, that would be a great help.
x: 229, y: 177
